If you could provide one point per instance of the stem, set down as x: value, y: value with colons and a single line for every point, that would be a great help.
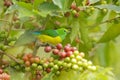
x: 10, y: 56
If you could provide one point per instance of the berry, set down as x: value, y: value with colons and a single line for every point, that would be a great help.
x: 78, y: 9
x: 47, y: 49
x: 34, y: 65
x: 59, y: 46
x: 73, y: 49
x: 62, y: 54
x: 27, y: 63
x: 32, y: 60
x: 73, y: 6
x: 76, y: 15
x: 39, y: 67
x: 74, y: 60
x: 55, y: 67
x: 27, y: 68
x: 1, y: 71
x: 55, y: 51
x: 67, y: 59
x: 69, y: 53
x: 67, y: 14
x: 48, y: 70
x: 75, y: 67
x: 82, y: 54
x: 25, y: 58
x: 78, y: 57
x: 67, y: 48
x: 29, y: 55
x: 76, y: 53
x: 37, y: 60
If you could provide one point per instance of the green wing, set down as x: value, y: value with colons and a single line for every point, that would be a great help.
x: 50, y: 32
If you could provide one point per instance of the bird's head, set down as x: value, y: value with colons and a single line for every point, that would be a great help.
x: 62, y: 32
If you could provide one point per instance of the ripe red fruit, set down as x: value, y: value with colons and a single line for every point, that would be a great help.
x: 67, y: 48
x: 69, y: 53
x: 25, y: 58
x: 29, y: 55
x: 59, y: 46
x: 67, y: 14
x: 1, y: 71
x: 73, y: 6
x: 78, y: 9
x: 47, y: 49
x: 48, y: 70
x: 27, y: 63
x: 32, y: 60
x: 37, y: 60
x: 55, y: 51
x: 73, y: 49
x: 62, y: 54
x: 76, y: 15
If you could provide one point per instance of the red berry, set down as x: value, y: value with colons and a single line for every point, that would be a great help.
x: 76, y: 15
x: 68, y: 45
x: 1, y: 71
x: 48, y: 70
x: 32, y: 60
x: 78, y: 9
x: 25, y: 58
x: 73, y: 49
x: 59, y: 46
x: 55, y: 51
x: 67, y: 48
x: 67, y: 14
x: 62, y: 54
x: 47, y: 49
x: 29, y: 55
x: 37, y: 60
x: 73, y: 6
x: 27, y: 63
x: 69, y: 53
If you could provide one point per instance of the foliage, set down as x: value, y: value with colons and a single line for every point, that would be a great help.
x: 93, y: 27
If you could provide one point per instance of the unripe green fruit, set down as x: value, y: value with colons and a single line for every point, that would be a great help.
x: 82, y: 54
x: 67, y: 59
x: 72, y: 56
x: 58, y: 72
x: 51, y: 64
x: 69, y: 65
x: 55, y: 67
x: 104, y: 10
x: 78, y: 57
x: 34, y: 65
x: 60, y: 63
x: 64, y: 64
x: 39, y: 67
x: 27, y: 69
x: 74, y: 11
x: 103, y: 2
x: 79, y: 63
x: 45, y: 65
x: 80, y: 69
x: 85, y: 64
x: 93, y: 68
x: 76, y: 53
x: 75, y: 67
x: 74, y: 60
x: 89, y: 62
x: 17, y: 67
x: 92, y: 8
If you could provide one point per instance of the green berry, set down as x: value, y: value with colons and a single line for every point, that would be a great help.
x: 34, y: 65
x: 51, y: 64
x: 45, y: 65
x: 27, y: 69
x: 79, y: 63
x: 92, y: 68
x: 89, y: 62
x: 76, y: 53
x: 72, y: 56
x: 58, y: 72
x: 74, y: 60
x: 69, y: 65
x: 67, y: 59
x: 75, y: 67
x: 78, y: 57
x: 60, y: 63
x: 55, y: 67
x: 39, y: 67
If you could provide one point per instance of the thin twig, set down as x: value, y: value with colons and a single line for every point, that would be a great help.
x: 10, y: 56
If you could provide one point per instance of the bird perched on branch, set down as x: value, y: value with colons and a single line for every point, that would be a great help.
x: 45, y: 36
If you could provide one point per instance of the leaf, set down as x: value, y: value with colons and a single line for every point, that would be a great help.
x: 109, y: 7
x: 111, y: 33
x: 48, y: 7
x: 37, y: 3
x: 63, y: 4
x: 94, y: 1
x: 25, y: 38
x: 48, y: 76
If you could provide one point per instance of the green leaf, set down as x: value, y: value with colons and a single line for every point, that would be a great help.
x: 48, y: 7
x: 109, y: 7
x: 48, y: 76
x: 37, y: 3
x: 63, y: 4
x: 25, y: 38
x: 111, y: 33
x: 94, y: 1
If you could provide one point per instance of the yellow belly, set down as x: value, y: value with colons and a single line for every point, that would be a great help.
x: 50, y: 40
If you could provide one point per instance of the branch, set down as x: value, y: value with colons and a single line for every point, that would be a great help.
x: 107, y: 21
x: 10, y: 56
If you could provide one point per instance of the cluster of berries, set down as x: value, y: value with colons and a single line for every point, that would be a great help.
x: 4, y: 75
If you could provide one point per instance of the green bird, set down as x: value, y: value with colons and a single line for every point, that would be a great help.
x: 45, y: 36
x: 51, y: 36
